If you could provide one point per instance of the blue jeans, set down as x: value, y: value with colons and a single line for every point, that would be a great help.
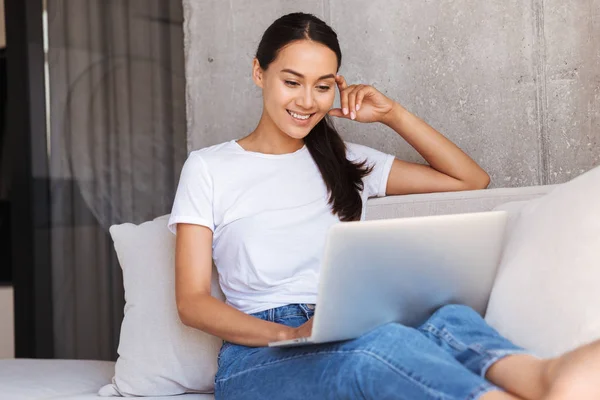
x: 445, y: 358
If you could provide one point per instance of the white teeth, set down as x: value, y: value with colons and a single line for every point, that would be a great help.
x: 293, y: 114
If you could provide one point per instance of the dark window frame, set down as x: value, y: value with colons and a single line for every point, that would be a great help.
x: 29, y: 194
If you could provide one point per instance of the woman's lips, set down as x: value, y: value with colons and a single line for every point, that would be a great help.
x: 298, y: 121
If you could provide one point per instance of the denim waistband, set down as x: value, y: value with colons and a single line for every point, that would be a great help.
x: 288, y: 310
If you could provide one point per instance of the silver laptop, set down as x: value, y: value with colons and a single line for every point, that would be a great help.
x: 402, y: 270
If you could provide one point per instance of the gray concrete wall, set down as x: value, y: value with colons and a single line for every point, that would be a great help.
x: 514, y: 83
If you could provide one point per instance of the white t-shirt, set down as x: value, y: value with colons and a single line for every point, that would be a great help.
x: 269, y: 216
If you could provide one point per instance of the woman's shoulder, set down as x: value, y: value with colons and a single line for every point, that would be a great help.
x: 213, y: 154
x: 209, y: 158
x: 214, y: 150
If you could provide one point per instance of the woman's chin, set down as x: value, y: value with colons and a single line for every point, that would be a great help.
x: 297, y: 136
x: 296, y: 132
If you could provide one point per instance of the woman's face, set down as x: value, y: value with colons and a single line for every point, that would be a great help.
x: 298, y: 86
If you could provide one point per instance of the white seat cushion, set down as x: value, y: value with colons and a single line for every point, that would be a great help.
x: 28, y: 379
x: 37, y: 379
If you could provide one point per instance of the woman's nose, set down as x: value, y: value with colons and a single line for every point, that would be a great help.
x: 306, y: 100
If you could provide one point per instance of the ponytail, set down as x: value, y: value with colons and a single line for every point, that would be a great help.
x: 342, y: 177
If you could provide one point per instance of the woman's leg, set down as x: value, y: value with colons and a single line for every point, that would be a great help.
x: 571, y: 376
x: 469, y: 339
x: 576, y: 374
x: 465, y: 335
x: 390, y: 362
x: 522, y: 374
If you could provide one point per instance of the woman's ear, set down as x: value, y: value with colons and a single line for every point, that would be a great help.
x: 257, y: 73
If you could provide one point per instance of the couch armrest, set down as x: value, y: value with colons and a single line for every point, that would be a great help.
x: 416, y: 205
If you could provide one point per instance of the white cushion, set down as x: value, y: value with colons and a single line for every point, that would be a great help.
x: 158, y: 355
x: 545, y: 297
x: 26, y: 379
x: 23, y: 378
x: 513, y: 209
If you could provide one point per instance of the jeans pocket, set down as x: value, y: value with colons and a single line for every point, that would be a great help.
x: 222, y: 350
x: 308, y: 310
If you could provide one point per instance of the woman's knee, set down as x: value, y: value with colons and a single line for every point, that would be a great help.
x: 395, y: 330
x: 454, y: 314
x: 395, y: 343
x: 388, y: 338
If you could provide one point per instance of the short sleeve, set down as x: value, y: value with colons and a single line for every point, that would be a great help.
x: 376, y: 182
x: 194, y: 197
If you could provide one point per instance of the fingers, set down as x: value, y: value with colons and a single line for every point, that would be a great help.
x: 342, y: 86
x: 359, y: 98
x: 341, y: 82
x: 336, y: 112
x: 309, y: 325
x: 352, y: 99
x: 305, y: 330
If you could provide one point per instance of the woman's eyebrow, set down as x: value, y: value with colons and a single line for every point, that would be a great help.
x: 298, y: 74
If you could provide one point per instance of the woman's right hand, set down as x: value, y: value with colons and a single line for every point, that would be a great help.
x: 304, y: 330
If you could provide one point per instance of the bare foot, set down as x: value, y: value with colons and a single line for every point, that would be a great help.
x: 575, y: 375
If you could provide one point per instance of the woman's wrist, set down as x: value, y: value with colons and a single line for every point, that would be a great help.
x: 394, y: 116
x: 286, y: 333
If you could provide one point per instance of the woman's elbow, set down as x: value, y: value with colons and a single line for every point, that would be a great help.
x: 478, y: 183
x: 484, y: 181
x: 183, y: 311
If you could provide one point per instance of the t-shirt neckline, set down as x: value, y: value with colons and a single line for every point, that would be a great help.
x: 266, y: 155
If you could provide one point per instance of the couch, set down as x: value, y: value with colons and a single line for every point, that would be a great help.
x: 81, y: 379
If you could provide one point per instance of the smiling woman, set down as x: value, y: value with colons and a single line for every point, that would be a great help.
x: 262, y: 206
x: 298, y: 78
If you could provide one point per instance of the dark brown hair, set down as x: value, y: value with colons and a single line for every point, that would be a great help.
x: 343, y: 178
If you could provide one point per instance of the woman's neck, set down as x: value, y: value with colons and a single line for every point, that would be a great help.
x: 267, y: 138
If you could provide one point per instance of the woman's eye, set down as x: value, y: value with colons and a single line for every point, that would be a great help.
x: 321, y: 88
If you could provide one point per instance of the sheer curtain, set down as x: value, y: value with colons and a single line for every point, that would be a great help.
x: 117, y: 141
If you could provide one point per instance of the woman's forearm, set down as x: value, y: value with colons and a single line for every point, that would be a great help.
x: 212, y: 316
x: 441, y: 154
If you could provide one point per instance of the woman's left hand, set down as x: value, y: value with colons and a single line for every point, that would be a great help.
x: 362, y: 103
